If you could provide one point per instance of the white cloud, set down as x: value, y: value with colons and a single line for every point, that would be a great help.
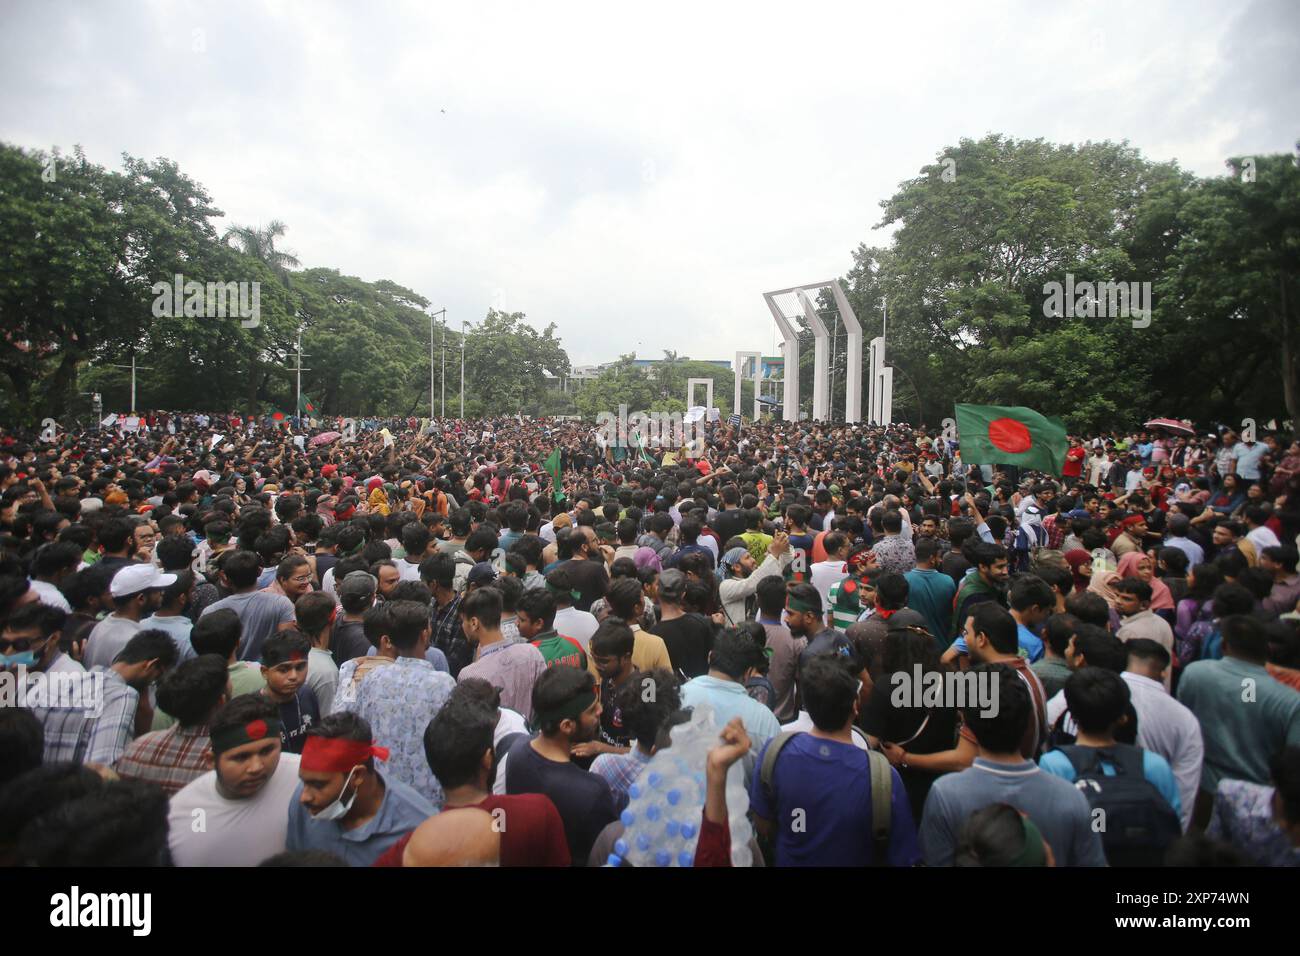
x: 637, y: 175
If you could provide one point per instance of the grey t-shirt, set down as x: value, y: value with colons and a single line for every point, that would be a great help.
x: 107, y: 639
x: 1060, y: 811
x: 261, y: 613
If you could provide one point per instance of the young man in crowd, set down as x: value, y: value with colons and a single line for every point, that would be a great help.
x: 511, y: 668
x: 284, y: 668
x: 536, y: 617
x: 344, y: 804
x: 399, y: 700
x: 819, y: 797
x: 192, y: 692
x: 1000, y: 773
x: 460, y: 751
x: 566, y: 706
x: 244, y: 800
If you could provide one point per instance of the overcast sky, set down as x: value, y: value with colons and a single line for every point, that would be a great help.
x: 636, y: 174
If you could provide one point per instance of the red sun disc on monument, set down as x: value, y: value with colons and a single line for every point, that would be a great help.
x: 1010, y: 436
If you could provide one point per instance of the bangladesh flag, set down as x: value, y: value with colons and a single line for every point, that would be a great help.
x: 1011, y: 435
x: 552, y: 467
x: 305, y: 407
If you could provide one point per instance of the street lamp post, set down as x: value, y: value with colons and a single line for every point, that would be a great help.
x: 463, y: 325
x: 443, y: 313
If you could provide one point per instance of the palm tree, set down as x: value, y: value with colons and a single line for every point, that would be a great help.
x: 260, y: 244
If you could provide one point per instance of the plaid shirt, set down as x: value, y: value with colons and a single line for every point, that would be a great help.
x: 447, y: 634
x: 620, y: 771
x: 170, y: 758
x: 74, y: 736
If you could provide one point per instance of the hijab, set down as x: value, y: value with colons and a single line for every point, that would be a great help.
x: 1077, y: 558
x: 1161, y: 598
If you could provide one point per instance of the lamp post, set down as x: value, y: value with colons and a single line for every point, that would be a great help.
x: 463, y: 325
x: 443, y: 313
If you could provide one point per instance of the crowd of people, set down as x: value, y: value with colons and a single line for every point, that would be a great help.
x: 424, y: 644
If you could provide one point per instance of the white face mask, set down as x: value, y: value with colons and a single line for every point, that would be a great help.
x: 339, y: 809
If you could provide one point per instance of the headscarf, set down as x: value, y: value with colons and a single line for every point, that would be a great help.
x: 1077, y: 558
x: 378, y: 501
x: 1101, y: 584
x: 1161, y: 598
x: 723, y: 570
x: 647, y: 558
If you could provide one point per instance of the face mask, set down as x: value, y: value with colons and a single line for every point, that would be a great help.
x: 339, y: 809
x: 25, y: 659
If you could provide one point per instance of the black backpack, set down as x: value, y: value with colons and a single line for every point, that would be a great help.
x: 1138, y: 824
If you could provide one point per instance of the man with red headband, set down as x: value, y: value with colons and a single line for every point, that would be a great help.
x: 237, y: 814
x: 345, y: 805
x: 1130, y: 539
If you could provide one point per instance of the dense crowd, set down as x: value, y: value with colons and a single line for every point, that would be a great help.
x: 406, y: 642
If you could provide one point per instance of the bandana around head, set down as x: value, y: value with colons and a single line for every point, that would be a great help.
x: 337, y: 755
x: 230, y: 737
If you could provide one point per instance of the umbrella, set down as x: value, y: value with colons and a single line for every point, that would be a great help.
x: 324, y: 438
x: 1172, y: 424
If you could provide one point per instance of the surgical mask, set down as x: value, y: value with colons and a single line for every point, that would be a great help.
x: 339, y: 809
x: 25, y: 659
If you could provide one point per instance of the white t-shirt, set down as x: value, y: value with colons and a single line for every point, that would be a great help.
x: 1262, y: 538
x: 824, y: 574
x: 208, y: 829
x: 579, y: 625
x: 510, y: 722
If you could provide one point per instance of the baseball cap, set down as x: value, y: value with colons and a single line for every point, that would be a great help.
x: 672, y: 585
x: 358, y: 584
x: 482, y: 573
x: 134, y: 578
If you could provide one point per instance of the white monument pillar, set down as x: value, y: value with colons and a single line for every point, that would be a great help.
x: 821, y: 409
x: 741, y: 359
x: 708, y: 391
x: 790, y: 350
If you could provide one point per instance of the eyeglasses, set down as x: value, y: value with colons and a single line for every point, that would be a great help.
x: 21, y: 645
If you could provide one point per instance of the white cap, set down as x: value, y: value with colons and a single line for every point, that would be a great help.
x: 134, y: 578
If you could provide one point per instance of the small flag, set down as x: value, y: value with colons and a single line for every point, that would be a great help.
x: 1011, y: 435
x: 552, y: 467
x: 277, y: 416
x: 305, y: 407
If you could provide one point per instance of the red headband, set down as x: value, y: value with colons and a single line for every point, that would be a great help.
x: 1132, y: 520
x: 337, y: 755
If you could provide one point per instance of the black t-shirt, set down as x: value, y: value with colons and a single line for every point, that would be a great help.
x: 612, y: 731
x: 919, y: 730
x: 591, y: 580
x: 296, y: 716
x: 348, y: 641
x: 955, y: 566
x: 689, y: 639
x: 324, y: 562
x: 583, y: 799
x: 729, y: 524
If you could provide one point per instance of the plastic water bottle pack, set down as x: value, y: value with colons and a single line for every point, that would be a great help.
x: 662, y: 819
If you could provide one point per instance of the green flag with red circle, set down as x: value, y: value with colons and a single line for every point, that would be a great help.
x: 1011, y: 435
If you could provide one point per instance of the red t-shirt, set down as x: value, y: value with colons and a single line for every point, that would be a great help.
x: 533, y: 834
x: 1074, y: 462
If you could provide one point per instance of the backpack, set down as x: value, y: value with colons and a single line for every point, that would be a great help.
x: 882, y: 791
x: 1138, y: 823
